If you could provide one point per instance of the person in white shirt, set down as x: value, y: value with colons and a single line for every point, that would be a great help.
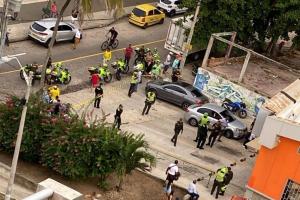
x: 172, y: 172
x: 192, y: 190
x: 167, y: 63
x: 77, y: 38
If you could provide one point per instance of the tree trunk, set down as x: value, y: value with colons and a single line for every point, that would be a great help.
x: 49, y: 52
x: 119, y: 188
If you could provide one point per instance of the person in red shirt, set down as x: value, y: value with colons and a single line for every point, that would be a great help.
x: 128, y: 53
x: 95, y: 80
x: 53, y: 9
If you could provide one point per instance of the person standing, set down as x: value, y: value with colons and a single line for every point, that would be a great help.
x: 117, y: 122
x: 150, y: 99
x: 204, y: 121
x: 220, y: 175
x: 171, y: 172
x: 167, y: 62
x: 53, y: 9
x: 98, y: 96
x: 202, y: 132
x: 133, y: 83
x: 128, y: 53
x: 77, y: 38
x: 107, y: 56
x: 178, y: 128
x: 224, y: 124
x: 248, y: 137
x: 214, y: 132
x: 95, y: 79
x: 54, y: 92
x: 175, y: 75
x: 228, y: 177
x: 192, y: 190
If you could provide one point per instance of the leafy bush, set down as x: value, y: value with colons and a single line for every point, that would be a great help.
x: 68, y: 144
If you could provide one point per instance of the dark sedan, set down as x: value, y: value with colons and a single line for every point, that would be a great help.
x: 179, y: 93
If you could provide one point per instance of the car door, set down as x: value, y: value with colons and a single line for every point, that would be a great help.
x: 157, y: 15
x: 65, y: 32
x: 212, y: 115
x: 151, y: 17
x: 174, y: 94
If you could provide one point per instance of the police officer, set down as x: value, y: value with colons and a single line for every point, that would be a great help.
x: 228, y: 177
x: 150, y: 99
x: 219, y: 180
x: 178, y: 128
x: 133, y: 83
x: 98, y: 96
x: 203, y: 122
x: 215, y: 131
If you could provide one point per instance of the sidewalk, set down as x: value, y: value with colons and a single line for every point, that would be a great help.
x: 19, y: 32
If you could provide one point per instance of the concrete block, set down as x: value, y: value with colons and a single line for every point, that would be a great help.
x: 61, y: 192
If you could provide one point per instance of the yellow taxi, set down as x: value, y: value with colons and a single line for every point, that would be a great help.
x: 145, y: 15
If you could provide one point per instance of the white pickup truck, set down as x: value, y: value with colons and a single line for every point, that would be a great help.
x: 177, y: 38
x: 170, y: 7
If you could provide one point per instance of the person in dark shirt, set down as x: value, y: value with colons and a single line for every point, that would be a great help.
x: 113, y: 35
x: 215, y: 131
x: 178, y: 128
x: 118, y: 122
x: 175, y: 75
x: 98, y: 96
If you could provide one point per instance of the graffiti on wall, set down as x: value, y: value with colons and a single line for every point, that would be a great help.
x: 222, y: 89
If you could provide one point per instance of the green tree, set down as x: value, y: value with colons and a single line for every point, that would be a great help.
x: 86, y: 8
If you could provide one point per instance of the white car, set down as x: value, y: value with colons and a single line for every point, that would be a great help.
x: 42, y: 31
x: 170, y: 7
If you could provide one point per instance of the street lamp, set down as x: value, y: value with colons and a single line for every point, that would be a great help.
x: 189, y: 40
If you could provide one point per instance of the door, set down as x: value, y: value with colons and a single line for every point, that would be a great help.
x: 151, y: 17
x: 158, y: 15
x: 175, y: 94
x: 64, y: 32
x: 211, y: 114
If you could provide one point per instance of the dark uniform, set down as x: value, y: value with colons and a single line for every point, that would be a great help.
x: 118, y: 117
x: 150, y: 99
x: 177, y: 129
x: 216, y: 129
x: 133, y: 83
x: 98, y: 95
x: 219, y: 180
x: 228, y: 177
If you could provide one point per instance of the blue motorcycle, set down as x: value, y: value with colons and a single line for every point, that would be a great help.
x: 238, y: 108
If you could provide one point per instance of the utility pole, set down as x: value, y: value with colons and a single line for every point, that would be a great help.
x: 4, y: 21
x: 19, y: 138
x: 189, y: 40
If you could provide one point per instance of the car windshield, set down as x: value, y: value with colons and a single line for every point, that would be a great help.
x: 166, y: 1
x: 139, y: 13
x: 38, y: 27
x: 226, y: 114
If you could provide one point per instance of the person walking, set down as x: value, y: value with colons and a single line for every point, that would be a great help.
x: 178, y: 128
x: 169, y: 192
x: 172, y: 173
x: 167, y: 62
x: 150, y: 99
x: 107, y: 56
x: 53, y: 9
x: 220, y: 175
x: 98, y: 96
x: 133, y: 83
x: 204, y: 121
x: 214, y: 132
x: 77, y: 38
x: 128, y: 53
x: 192, y: 190
x: 228, y: 177
x: 117, y: 122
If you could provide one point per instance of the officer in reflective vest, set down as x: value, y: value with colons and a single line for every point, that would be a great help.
x: 219, y: 180
x: 202, y: 128
x: 150, y: 99
x: 133, y: 83
x: 228, y: 177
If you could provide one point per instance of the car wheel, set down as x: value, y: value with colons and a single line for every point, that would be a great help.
x: 47, y: 43
x: 185, y: 105
x: 228, y: 134
x: 193, y: 122
x: 242, y: 114
x: 145, y: 26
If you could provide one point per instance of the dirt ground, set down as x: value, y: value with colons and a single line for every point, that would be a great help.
x: 137, y: 186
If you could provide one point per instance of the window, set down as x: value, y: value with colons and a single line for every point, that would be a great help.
x: 177, y: 2
x: 226, y: 114
x: 205, y: 110
x: 176, y: 89
x: 64, y: 28
x: 151, y: 12
x: 166, y: 1
x: 139, y: 13
x: 38, y: 27
x: 196, y: 93
x: 291, y: 191
x: 156, y: 12
x: 216, y: 115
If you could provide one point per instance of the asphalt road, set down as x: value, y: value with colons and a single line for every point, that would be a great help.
x: 33, y: 11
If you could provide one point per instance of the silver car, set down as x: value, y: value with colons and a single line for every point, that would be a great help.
x: 234, y: 129
x: 178, y: 93
x: 42, y: 31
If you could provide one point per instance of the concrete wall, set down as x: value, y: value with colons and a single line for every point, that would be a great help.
x: 221, y: 88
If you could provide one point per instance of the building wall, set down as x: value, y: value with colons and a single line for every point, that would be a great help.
x: 275, y: 166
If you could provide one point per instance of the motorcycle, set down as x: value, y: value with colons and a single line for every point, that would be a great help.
x: 103, y: 73
x: 236, y: 107
x: 120, y: 67
x: 27, y: 69
x: 139, y: 56
x: 59, y: 76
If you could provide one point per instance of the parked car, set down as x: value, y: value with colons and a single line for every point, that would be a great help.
x: 145, y: 15
x: 179, y: 93
x: 171, y: 7
x: 42, y: 31
x: 235, y: 129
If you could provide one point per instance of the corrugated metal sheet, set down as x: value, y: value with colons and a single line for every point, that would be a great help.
x: 285, y: 99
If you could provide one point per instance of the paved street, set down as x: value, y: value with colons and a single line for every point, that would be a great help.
x: 157, y: 127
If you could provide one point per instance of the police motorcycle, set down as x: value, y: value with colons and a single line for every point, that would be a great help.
x: 58, y: 75
x: 120, y: 67
x: 30, y: 68
x: 139, y: 55
x: 102, y: 71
